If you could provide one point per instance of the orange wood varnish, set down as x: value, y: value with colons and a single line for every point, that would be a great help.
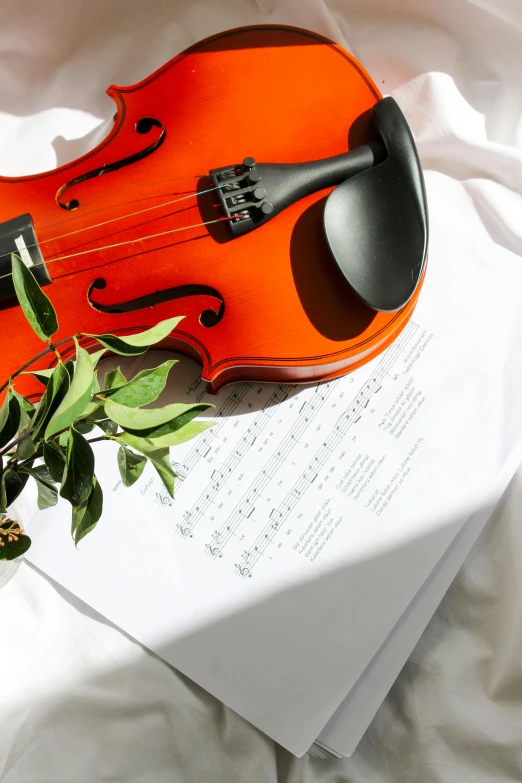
x: 278, y: 94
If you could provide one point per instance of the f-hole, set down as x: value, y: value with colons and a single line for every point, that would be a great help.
x: 208, y: 318
x: 143, y: 126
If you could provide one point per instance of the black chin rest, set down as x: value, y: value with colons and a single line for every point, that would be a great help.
x: 376, y: 222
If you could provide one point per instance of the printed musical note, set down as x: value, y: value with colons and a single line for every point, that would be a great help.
x: 163, y: 500
x: 213, y: 551
x: 296, y: 493
x: 220, y: 475
x: 246, y: 505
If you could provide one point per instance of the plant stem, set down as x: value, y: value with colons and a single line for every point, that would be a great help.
x: 50, y: 349
x: 95, y: 440
x: 105, y: 437
x: 28, y: 460
x: 14, y: 443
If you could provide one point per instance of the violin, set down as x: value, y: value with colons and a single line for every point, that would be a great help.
x: 259, y: 185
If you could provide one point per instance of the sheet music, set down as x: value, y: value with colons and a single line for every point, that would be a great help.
x: 244, y: 490
x: 307, y: 519
x: 347, y: 725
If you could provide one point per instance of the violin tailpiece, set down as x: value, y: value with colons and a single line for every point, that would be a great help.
x: 375, y: 224
x: 252, y: 193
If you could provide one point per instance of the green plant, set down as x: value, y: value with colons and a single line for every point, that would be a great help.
x: 49, y: 443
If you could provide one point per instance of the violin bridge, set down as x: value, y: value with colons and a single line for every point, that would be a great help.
x: 18, y: 236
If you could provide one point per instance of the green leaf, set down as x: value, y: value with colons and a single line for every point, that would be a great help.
x: 158, y: 457
x: 9, y: 418
x: 95, y: 407
x: 96, y: 356
x: 47, y: 492
x: 116, y: 345
x: 4, y: 410
x: 36, y: 306
x: 43, y: 474
x: 176, y: 438
x: 63, y: 439
x: 94, y: 412
x: 69, y: 366
x: 114, y: 379
x: 130, y: 465
x: 25, y: 405
x: 145, y: 445
x: 3, y: 499
x: 108, y: 426
x: 143, y: 388
x: 190, y: 430
x: 160, y: 460
x: 85, y: 427
x: 78, y: 395
x: 12, y: 486
x: 79, y: 469
x: 10, y: 550
x: 134, y: 344
x: 85, y: 518
x: 55, y: 392
x: 153, y: 421
x: 54, y: 459
x: 41, y: 375
x: 26, y: 447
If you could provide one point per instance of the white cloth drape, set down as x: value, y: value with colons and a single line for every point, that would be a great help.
x: 79, y: 701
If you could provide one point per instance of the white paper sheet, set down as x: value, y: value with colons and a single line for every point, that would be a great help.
x: 347, y: 725
x: 279, y: 615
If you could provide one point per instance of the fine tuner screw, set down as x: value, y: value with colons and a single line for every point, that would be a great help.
x: 259, y: 193
x: 249, y: 165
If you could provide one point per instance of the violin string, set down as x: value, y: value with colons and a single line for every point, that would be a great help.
x: 40, y: 222
x: 130, y: 241
x: 134, y: 214
x: 121, y: 217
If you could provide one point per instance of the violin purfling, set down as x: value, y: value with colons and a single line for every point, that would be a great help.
x: 259, y: 185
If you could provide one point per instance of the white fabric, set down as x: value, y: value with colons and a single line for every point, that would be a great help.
x: 79, y: 701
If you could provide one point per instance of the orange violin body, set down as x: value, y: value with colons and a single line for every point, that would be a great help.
x: 127, y: 243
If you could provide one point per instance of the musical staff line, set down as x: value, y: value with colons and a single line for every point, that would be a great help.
x: 245, y: 507
x: 347, y: 419
x: 203, y: 445
x: 224, y: 472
